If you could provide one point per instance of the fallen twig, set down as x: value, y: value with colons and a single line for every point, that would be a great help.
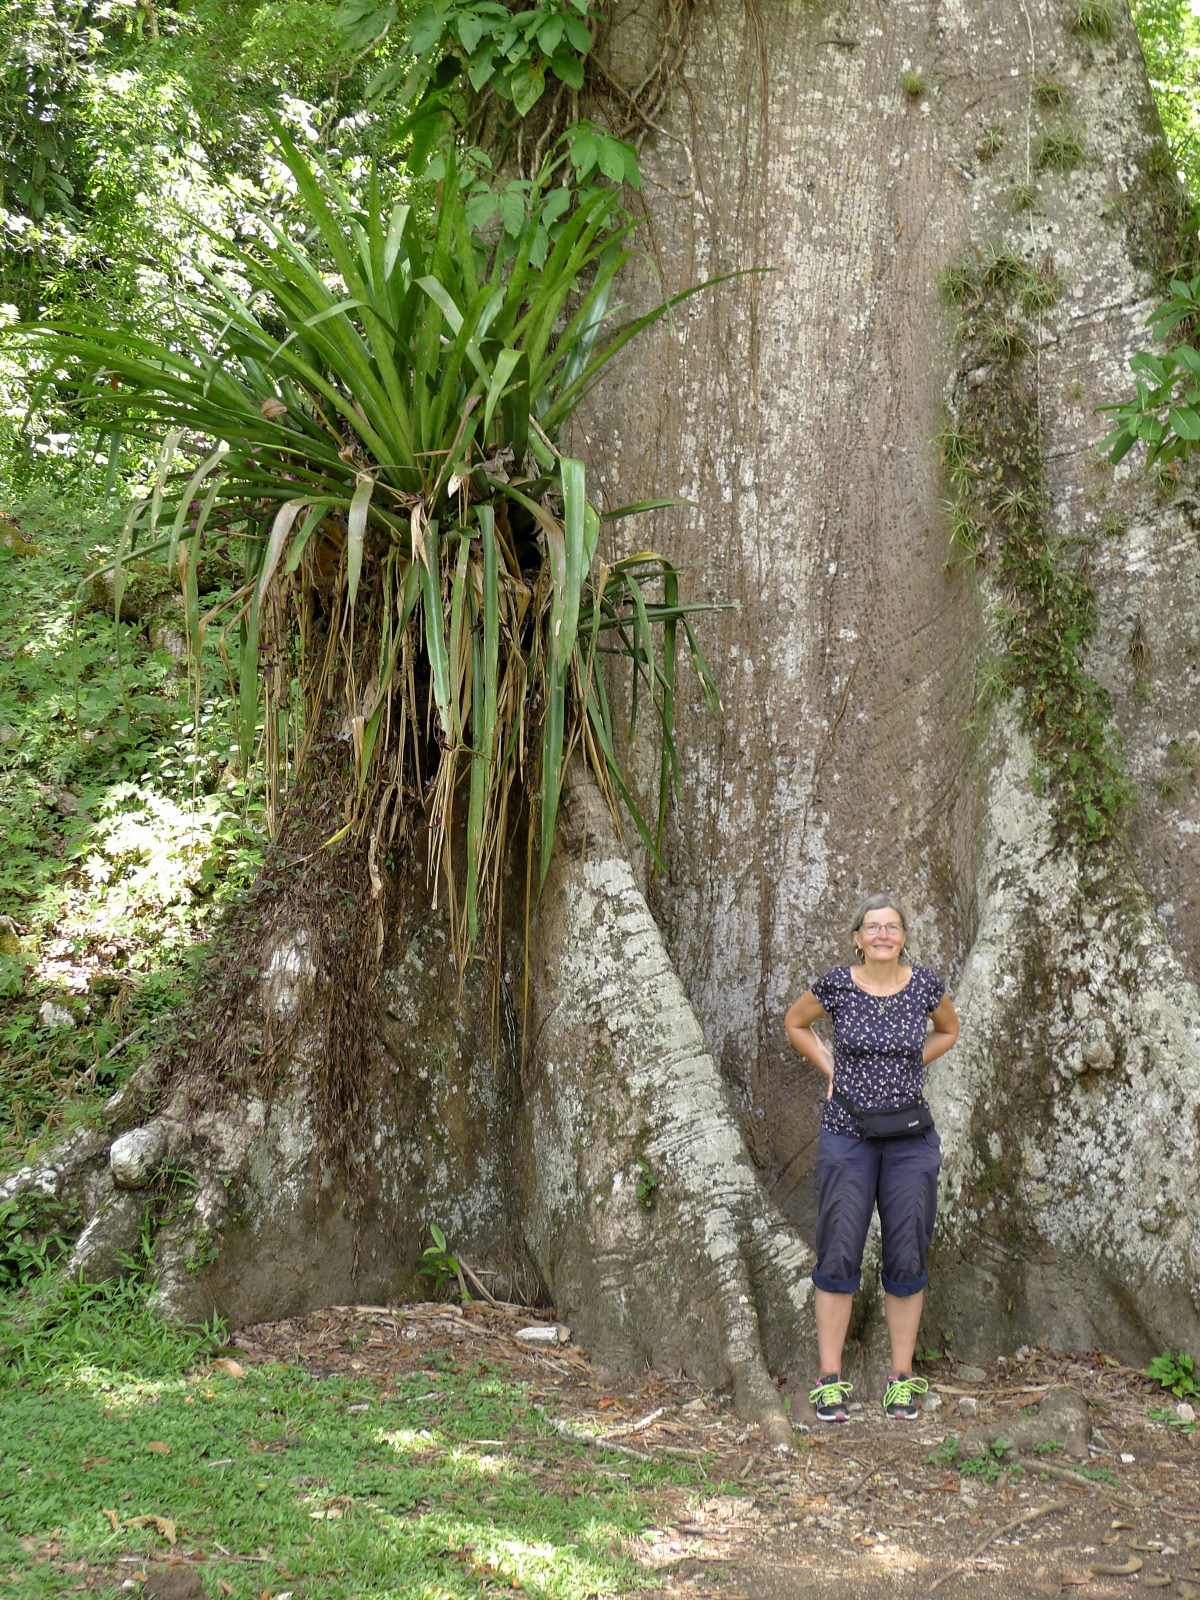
x: 500, y: 1305
x: 1032, y: 1515
x: 635, y: 1427
x: 1065, y: 1475
x: 578, y: 1436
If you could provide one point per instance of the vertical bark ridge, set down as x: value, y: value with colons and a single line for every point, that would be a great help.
x: 624, y: 1090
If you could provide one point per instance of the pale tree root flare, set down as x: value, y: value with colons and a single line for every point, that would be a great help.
x: 607, y: 1173
x: 642, y: 1210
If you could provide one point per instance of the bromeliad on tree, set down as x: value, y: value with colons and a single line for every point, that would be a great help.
x: 376, y: 420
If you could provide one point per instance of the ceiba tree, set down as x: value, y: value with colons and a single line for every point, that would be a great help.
x: 962, y: 668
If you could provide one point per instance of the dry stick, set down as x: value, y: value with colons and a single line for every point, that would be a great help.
x: 998, y: 1533
x: 849, y: 1494
x: 501, y: 1305
x: 1065, y: 1475
x: 577, y: 1436
x: 635, y: 1427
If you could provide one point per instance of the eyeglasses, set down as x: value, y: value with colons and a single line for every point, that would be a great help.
x: 882, y: 927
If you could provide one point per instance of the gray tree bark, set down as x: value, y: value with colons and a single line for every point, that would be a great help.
x: 798, y: 412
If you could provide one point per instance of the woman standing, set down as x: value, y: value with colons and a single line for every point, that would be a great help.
x: 881, y: 1011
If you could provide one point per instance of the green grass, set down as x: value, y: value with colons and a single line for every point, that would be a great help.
x: 441, y: 1483
x: 124, y: 823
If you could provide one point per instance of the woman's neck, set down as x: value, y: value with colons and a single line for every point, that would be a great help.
x: 880, y: 974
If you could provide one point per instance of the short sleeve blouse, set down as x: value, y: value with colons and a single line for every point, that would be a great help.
x: 877, y: 1043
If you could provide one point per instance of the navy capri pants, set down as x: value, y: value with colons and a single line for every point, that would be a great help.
x: 854, y: 1176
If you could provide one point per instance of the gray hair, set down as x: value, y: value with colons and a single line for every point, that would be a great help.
x: 879, y: 902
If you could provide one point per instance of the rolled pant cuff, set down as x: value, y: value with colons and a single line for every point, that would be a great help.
x: 839, y: 1285
x: 901, y: 1290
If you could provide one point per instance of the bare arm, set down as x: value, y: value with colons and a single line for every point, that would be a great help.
x: 801, y: 1015
x: 945, y: 1030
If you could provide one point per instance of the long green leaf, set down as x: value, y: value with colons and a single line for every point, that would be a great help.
x: 576, y: 560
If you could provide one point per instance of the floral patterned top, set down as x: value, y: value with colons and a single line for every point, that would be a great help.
x: 877, y: 1043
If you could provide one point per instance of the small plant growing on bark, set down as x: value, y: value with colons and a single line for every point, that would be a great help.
x: 957, y: 284
x: 1001, y: 338
x: 990, y: 143
x: 1050, y: 92
x: 1024, y: 196
x: 1096, y: 19
x: 647, y: 1185
x: 913, y: 84
x: 959, y: 448
x: 1057, y: 151
x: 1039, y: 291
x: 1045, y: 610
x: 1003, y: 270
x: 968, y: 538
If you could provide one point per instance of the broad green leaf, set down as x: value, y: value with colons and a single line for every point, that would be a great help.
x: 470, y: 28
x: 526, y: 85
x: 579, y: 35
x: 569, y: 68
x: 549, y: 34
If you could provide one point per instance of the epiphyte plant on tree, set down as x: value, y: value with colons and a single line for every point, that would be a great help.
x: 372, y: 424
x: 1164, y: 411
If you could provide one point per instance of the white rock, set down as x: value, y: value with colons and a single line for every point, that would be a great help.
x: 1185, y: 1412
x: 136, y: 1156
x: 537, y: 1335
x: 53, y: 1015
x: 169, y: 637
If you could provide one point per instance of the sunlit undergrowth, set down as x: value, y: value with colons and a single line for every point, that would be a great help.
x: 125, y: 825
x: 123, y: 1438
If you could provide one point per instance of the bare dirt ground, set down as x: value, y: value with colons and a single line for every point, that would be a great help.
x: 860, y: 1509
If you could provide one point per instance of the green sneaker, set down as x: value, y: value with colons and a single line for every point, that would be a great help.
x: 828, y: 1399
x: 900, y: 1396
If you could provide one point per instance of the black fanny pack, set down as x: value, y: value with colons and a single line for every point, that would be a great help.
x: 903, y: 1122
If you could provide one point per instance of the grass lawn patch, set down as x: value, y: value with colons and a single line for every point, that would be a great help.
x: 121, y: 1451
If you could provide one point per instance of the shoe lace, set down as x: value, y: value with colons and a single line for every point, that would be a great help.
x: 900, y: 1391
x: 830, y: 1394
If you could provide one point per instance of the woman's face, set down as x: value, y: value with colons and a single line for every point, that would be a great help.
x: 880, y: 935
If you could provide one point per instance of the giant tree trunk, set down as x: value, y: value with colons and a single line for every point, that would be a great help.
x: 799, y: 411
x: 641, y: 1155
